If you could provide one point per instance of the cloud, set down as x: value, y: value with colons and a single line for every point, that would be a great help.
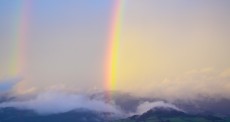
x: 192, y: 84
x: 57, y: 102
x: 225, y: 73
x: 145, y: 106
x: 8, y: 84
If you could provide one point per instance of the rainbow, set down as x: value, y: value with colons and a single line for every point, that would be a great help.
x: 19, y: 40
x: 113, y: 46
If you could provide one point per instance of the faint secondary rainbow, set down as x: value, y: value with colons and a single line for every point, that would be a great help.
x: 19, y: 41
x: 113, y: 45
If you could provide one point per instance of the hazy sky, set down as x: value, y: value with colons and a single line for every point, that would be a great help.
x: 167, y: 48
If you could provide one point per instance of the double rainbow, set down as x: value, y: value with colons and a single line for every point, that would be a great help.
x: 18, y: 53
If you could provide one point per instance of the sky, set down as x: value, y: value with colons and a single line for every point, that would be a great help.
x: 167, y: 48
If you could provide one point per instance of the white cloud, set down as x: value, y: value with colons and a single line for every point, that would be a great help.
x: 144, y: 107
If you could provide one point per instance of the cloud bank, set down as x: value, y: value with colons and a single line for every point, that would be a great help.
x: 192, y: 84
x: 56, y: 102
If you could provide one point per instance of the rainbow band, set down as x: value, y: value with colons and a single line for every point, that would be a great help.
x: 113, y: 46
x: 18, y: 54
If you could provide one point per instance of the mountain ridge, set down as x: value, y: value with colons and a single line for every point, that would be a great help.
x: 163, y: 114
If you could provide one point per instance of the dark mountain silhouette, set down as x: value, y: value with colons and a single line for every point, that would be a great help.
x: 161, y: 114
x: 15, y: 115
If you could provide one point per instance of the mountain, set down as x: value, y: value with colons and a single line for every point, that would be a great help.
x: 128, y: 103
x: 160, y: 114
x: 15, y: 115
x: 198, y: 110
x: 200, y: 105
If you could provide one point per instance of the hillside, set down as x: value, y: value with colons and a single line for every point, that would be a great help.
x: 171, y: 115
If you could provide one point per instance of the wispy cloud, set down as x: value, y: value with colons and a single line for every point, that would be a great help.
x: 145, y: 106
x: 193, y: 83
